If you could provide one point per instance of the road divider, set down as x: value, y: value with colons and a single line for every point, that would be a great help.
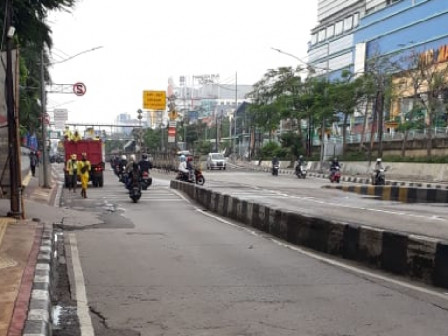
x: 419, y: 258
x: 396, y: 193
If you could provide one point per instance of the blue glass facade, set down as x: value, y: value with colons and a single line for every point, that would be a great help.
x: 416, y: 25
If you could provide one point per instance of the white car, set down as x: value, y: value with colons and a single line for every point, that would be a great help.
x: 216, y: 161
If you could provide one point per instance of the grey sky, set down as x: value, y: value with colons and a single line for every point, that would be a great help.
x: 145, y: 42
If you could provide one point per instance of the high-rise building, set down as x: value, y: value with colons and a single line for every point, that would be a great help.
x: 331, y: 48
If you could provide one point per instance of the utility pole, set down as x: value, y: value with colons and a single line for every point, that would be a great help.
x: 43, y: 103
x: 13, y: 153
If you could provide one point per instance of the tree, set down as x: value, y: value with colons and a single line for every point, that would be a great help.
x: 346, y: 95
x: 434, y: 77
x: 32, y: 34
x: 379, y: 74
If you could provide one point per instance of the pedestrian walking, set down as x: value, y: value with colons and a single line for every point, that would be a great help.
x: 72, y: 170
x: 33, y: 162
x: 84, y: 173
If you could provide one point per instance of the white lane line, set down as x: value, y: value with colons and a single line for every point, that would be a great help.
x: 339, y: 205
x: 81, y: 297
x: 332, y: 262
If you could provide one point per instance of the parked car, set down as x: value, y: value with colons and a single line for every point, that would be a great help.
x: 216, y: 161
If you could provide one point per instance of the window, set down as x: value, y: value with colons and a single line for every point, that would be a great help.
x: 314, y: 39
x: 321, y: 35
x: 338, y: 28
x: 348, y: 23
x: 330, y: 31
x: 356, y: 20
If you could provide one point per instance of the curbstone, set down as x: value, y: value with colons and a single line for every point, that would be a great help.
x: 370, y: 245
x: 394, y: 254
x: 38, y: 320
x: 440, y: 274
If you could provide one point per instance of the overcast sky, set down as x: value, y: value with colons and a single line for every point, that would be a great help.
x: 144, y: 42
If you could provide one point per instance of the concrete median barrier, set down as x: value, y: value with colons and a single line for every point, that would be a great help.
x: 420, y: 258
x: 397, y: 193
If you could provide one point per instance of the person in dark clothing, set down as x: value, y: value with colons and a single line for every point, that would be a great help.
x: 144, y: 164
x: 33, y: 162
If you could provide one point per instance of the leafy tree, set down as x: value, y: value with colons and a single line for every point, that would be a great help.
x: 32, y: 34
x: 346, y: 95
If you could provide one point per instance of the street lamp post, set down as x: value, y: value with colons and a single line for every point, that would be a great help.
x: 139, y: 111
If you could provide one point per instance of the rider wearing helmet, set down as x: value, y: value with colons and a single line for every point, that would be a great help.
x: 144, y: 164
x: 376, y: 170
x: 300, y: 163
x: 183, y: 165
x: 334, y: 165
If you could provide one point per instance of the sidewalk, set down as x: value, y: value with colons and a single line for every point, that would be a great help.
x: 20, y: 243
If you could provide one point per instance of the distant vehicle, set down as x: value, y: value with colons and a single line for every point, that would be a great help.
x: 216, y: 161
x: 58, y: 158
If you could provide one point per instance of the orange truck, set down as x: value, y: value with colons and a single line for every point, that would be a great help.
x: 95, y: 154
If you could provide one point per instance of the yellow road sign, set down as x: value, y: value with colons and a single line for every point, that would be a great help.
x: 154, y: 100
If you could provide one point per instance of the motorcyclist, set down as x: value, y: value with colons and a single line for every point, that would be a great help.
x: 144, y: 164
x: 300, y: 163
x: 190, y: 168
x: 335, y: 165
x: 376, y: 170
x: 131, y: 169
x: 275, y: 163
x: 183, y: 168
x: 122, y: 163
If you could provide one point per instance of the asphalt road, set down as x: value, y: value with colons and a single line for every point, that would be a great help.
x: 164, y: 267
x: 309, y: 198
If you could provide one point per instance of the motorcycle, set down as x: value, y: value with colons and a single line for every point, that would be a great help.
x: 146, y: 180
x: 275, y: 169
x: 135, y: 189
x: 301, y: 171
x: 197, y: 178
x: 379, y: 177
x: 335, y: 175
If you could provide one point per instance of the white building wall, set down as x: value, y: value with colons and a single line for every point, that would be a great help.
x: 340, y: 62
x: 327, y: 8
x: 341, y: 44
x: 371, y: 4
x: 318, y: 53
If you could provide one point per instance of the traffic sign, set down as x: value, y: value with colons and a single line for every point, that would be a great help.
x: 79, y: 89
x: 154, y: 100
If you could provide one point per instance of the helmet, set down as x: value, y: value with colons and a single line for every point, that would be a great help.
x: 301, y: 157
x: 123, y: 157
x: 144, y: 156
x: 378, y: 160
x: 132, y: 157
x: 335, y: 159
x: 189, y: 159
x: 182, y: 157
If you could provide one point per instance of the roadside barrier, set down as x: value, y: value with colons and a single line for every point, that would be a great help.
x: 394, y: 193
x: 420, y: 258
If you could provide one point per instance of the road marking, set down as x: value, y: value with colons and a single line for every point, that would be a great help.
x: 332, y: 262
x: 81, y: 297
